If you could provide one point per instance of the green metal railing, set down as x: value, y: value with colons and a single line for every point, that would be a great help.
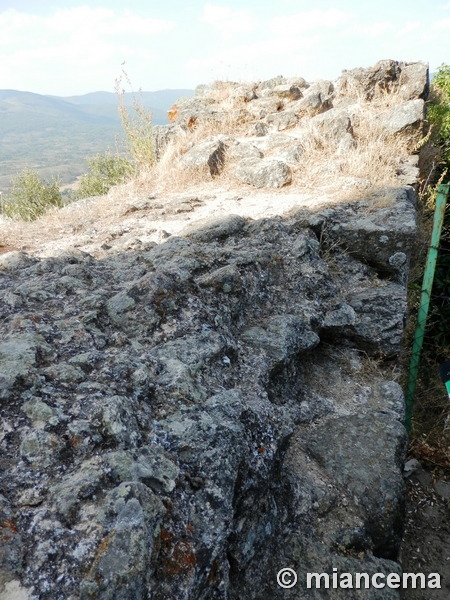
x: 441, y: 202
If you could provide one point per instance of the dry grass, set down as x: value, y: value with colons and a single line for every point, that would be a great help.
x: 68, y: 222
x: 375, y: 159
x: 384, y: 198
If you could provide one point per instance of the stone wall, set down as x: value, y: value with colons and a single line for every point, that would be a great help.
x: 182, y: 420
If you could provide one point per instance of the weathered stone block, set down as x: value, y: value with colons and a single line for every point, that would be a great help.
x: 209, y: 154
x: 264, y: 173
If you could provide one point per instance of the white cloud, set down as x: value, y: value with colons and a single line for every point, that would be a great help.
x: 309, y: 20
x: 105, y: 22
x: 280, y: 47
x: 229, y: 23
x: 215, y: 14
x: 377, y: 30
x: 444, y: 24
x: 259, y: 60
x: 410, y: 26
x: 72, y: 45
x: 75, y: 24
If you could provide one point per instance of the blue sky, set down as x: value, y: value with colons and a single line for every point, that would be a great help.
x: 70, y: 47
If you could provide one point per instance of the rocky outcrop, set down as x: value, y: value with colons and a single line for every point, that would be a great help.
x: 387, y: 76
x: 383, y: 238
x: 156, y: 416
x: 324, y: 113
x: 182, y: 420
x: 406, y: 118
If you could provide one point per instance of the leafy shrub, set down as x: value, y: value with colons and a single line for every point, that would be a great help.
x: 439, y: 118
x: 139, y: 140
x: 431, y: 409
x: 30, y: 197
x: 439, y: 110
x: 106, y: 170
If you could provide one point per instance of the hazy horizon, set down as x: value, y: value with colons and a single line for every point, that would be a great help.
x: 136, y: 93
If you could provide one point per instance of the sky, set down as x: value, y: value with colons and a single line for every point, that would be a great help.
x: 69, y: 47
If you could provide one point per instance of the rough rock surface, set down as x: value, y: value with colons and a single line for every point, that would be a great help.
x: 408, y: 116
x: 156, y: 394
x: 408, y: 79
x: 184, y: 419
x: 208, y: 154
x: 264, y: 173
x: 383, y: 238
x: 334, y: 124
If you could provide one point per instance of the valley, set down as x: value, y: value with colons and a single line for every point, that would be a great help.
x: 55, y: 135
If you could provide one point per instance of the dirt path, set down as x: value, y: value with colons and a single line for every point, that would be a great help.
x: 426, y: 544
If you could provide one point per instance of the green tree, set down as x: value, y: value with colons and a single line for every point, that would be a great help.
x: 31, y: 197
x: 106, y: 170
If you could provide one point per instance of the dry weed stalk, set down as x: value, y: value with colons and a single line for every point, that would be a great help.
x: 138, y: 128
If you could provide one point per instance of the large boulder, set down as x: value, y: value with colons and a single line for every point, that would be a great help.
x: 280, y: 121
x: 317, y: 99
x: 414, y: 80
x: 380, y: 319
x: 378, y: 236
x: 209, y: 154
x: 406, y: 119
x: 375, y: 479
x: 409, y: 80
x: 333, y: 125
x: 269, y: 84
x: 190, y: 111
x: 243, y: 150
x: 291, y: 154
x: 264, y: 173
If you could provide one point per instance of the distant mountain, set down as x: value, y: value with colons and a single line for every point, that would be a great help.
x: 25, y: 111
x: 162, y: 99
x: 21, y: 111
x: 54, y: 135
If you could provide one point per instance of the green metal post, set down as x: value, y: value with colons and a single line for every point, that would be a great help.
x: 427, y: 285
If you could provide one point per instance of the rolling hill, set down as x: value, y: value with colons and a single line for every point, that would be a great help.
x: 54, y: 135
